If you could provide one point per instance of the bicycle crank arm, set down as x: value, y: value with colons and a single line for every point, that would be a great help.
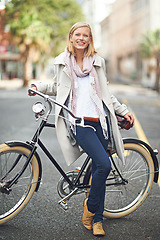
x: 63, y: 203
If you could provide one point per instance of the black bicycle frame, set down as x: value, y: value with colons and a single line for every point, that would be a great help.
x: 72, y: 185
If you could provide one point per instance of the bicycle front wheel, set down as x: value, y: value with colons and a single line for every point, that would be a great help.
x: 121, y: 200
x: 12, y: 159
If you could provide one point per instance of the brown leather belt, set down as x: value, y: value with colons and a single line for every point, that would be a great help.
x: 91, y: 119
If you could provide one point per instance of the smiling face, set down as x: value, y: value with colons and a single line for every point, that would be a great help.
x: 81, y: 38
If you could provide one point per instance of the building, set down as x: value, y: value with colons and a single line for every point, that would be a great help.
x: 10, y: 64
x: 121, y: 35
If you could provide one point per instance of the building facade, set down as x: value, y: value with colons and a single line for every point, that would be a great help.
x: 121, y: 34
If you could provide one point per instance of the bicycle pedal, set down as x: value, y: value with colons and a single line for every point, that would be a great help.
x: 63, y: 204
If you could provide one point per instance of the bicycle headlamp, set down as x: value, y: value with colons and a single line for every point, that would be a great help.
x: 38, y: 108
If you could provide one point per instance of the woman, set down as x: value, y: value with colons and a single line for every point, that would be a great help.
x: 81, y: 84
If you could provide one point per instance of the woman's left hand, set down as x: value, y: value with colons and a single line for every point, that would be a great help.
x: 129, y: 116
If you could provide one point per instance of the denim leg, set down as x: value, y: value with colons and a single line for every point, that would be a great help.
x: 98, y: 217
x: 89, y: 140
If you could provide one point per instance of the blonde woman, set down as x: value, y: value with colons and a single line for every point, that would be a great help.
x: 80, y: 83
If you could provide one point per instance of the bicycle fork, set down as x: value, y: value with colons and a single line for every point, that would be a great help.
x: 5, y: 187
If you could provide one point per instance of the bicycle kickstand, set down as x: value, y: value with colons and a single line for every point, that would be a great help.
x: 63, y: 203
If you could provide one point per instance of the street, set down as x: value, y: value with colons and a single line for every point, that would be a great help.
x: 43, y: 218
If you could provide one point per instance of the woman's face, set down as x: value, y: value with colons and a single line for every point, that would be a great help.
x: 81, y: 38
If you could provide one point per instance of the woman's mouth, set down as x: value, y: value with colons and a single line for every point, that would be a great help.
x: 80, y: 43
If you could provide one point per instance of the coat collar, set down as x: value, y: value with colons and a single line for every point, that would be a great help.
x: 98, y: 61
x: 60, y: 60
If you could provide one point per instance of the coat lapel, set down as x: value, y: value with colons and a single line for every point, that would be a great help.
x: 65, y: 70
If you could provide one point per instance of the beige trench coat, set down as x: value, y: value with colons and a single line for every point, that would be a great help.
x: 61, y: 88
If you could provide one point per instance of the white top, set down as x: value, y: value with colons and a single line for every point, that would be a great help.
x: 85, y: 106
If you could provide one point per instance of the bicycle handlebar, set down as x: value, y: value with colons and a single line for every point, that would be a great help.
x: 49, y: 99
x: 122, y: 122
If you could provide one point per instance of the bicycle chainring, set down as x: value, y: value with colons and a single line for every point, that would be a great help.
x: 63, y: 187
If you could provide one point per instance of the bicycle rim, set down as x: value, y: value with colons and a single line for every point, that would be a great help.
x: 21, y: 192
x: 121, y: 200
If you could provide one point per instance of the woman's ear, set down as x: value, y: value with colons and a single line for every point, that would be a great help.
x: 70, y: 38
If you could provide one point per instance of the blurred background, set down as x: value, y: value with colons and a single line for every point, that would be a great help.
x: 126, y: 33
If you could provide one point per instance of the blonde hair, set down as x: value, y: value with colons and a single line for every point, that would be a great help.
x: 90, y: 50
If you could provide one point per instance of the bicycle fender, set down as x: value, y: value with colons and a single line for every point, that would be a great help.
x: 30, y: 147
x: 149, y: 148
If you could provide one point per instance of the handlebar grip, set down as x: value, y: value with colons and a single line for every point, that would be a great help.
x: 30, y: 92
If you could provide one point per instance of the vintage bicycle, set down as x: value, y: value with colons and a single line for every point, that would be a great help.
x: 20, y: 172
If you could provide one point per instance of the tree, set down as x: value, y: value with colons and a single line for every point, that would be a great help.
x: 150, y: 48
x: 39, y: 28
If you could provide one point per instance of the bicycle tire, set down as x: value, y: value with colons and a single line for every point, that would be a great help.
x: 13, y: 203
x: 122, y: 200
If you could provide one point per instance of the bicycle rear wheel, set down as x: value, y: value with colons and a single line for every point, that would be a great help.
x: 121, y: 200
x: 12, y: 160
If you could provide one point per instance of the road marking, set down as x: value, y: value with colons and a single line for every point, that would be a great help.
x: 141, y: 135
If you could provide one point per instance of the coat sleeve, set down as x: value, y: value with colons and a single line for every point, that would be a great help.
x: 120, y: 109
x: 48, y: 88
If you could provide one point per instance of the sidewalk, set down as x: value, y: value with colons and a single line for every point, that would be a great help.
x: 11, y: 84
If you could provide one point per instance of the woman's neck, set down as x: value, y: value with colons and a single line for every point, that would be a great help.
x: 79, y: 58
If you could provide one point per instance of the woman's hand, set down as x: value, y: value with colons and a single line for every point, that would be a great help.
x: 129, y: 116
x: 32, y: 93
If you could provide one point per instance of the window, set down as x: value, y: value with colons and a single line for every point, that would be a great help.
x: 137, y: 5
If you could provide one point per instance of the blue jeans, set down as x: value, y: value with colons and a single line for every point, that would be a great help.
x: 95, y: 145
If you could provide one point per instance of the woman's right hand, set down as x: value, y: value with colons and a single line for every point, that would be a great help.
x: 32, y: 93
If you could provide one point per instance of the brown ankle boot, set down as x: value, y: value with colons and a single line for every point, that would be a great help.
x: 98, y: 229
x: 87, y: 217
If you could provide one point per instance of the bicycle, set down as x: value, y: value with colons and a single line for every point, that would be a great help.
x: 20, y: 172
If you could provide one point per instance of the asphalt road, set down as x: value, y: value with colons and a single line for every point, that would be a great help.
x: 43, y: 218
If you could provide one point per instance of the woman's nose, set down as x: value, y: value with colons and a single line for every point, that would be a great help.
x: 81, y: 37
